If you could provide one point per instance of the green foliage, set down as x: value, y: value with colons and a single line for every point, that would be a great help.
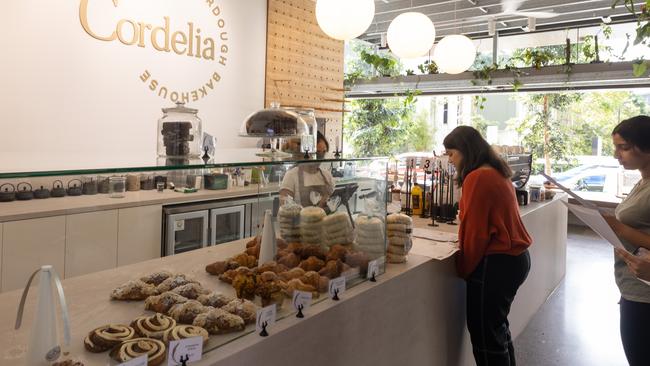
x: 640, y: 67
x: 365, y: 63
x: 484, y: 73
x: 410, y: 72
x: 428, y: 67
x: 384, y: 65
x: 481, y: 124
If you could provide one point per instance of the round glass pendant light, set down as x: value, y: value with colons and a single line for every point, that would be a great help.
x: 344, y: 19
x: 411, y: 35
x: 454, y: 54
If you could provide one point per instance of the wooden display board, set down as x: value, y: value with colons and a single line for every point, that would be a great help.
x: 304, y: 67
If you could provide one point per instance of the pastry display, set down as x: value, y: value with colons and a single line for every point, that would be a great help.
x: 173, y: 282
x: 108, y: 336
x: 358, y: 259
x: 220, y: 267
x: 311, y: 225
x: 271, y: 266
x: 311, y: 250
x: 156, y: 278
x: 289, y: 221
x: 153, y: 326
x: 230, y: 274
x: 215, y: 299
x: 163, y: 302
x: 184, y: 331
x: 186, y: 312
x: 312, y: 264
x: 370, y: 236
x: 338, y: 229
x: 297, y: 284
x: 135, y: 290
x: 270, y: 292
x: 398, y: 228
x: 289, y: 260
x: 68, y: 362
x: 242, y: 308
x: 311, y: 278
x: 337, y: 252
x: 190, y: 290
x: 134, y: 348
x: 245, y: 260
x: 244, y: 285
x: 291, y: 274
x: 332, y: 269
x: 218, y: 321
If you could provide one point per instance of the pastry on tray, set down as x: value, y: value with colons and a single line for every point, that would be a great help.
x: 153, y: 326
x: 155, y: 350
x: 242, y: 308
x: 135, y: 290
x: 107, y: 336
x: 291, y: 274
x: 163, y: 302
x: 190, y: 290
x: 184, y: 331
x: 215, y: 299
x: 186, y: 312
x: 219, y: 321
x: 312, y: 264
x: 68, y: 362
x: 173, y: 282
x: 156, y: 278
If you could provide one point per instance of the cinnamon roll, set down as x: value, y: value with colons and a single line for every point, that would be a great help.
x: 106, y: 337
x: 134, y: 348
x: 153, y: 326
x: 184, y: 331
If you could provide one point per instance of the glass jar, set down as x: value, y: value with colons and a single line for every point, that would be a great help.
x: 116, y: 187
x: 304, y: 143
x: 179, y: 132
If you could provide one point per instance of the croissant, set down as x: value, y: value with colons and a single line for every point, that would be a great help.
x: 190, y: 290
x: 186, y: 312
x: 218, y: 321
x: 173, y: 282
x: 107, y: 336
x: 215, y: 299
x: 134, y: 348
x: 332, y: 269
x: 163, y: 302
x: 290, y: 260
x: 133, y: 290
x: 245, y: 309
x: 292, y: 273
x: 156, y: 278
x: 312, y: 264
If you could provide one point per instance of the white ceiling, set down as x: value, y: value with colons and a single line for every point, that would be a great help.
x: 471, y: 17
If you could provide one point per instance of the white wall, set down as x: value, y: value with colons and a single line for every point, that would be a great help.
x: 66, y: 95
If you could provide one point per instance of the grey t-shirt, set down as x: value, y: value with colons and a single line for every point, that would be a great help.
x: 634, y: 211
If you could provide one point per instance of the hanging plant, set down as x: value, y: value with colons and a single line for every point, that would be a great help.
x: 410, y: 72
x: 484, y: 74
x: 640, y: 66
x: 428, y: 67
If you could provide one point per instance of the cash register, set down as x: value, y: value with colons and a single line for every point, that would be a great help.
x: 521, y: 166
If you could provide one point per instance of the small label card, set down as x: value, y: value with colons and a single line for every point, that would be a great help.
x: 373, y: 269
x: 185, y: 350
x: 301, y: 300
x: 336, y: 286
x: 265, y: 317
x: 140, y: 361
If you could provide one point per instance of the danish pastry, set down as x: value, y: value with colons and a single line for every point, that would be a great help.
x: 163, y: 302
x: 156, y: 278
x: 133, y: 290
x: 186, y: 312
x: 152, y: 326
x: 134, y: 348
x: 173, y: 282
x: 215, y: 299
x: 190, y: 290
x: 218, y: 321
x: 245, y: 309
x: 108, y: 336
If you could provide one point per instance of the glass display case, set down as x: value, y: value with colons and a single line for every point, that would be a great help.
x: 328, y: 216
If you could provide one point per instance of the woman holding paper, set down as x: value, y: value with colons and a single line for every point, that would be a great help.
x: 631, y: 140
x: 493, y: 241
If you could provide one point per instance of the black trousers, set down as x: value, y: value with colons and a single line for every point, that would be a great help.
x: 491, y: 288
x: 635, y: 331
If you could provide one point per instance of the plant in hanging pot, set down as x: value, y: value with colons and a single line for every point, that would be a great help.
x: 428, y: 67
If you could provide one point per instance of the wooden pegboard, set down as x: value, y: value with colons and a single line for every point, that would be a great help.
x: 304, y: 67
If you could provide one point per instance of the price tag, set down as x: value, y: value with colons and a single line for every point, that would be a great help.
x: 301, y: 298
x: 373, y: 269
x: 336, y: 286
x: 188, y: 350
x: 410, y: 162
x: 425, y: 164
x: 265, y: 317
x: 140, y: 361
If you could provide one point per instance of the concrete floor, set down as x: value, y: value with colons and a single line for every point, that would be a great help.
x: 579, y: 324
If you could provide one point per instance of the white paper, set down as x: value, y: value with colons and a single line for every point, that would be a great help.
x: 301, y: 298
x: 336, y: 286
x: 581, y: 200
x: 434, y: 249
x: 190, y: 348
x: 373, y: 268
x: 265, y: 315
x: 596, y: 221
x: 435, y: 235
x: 140, y: 361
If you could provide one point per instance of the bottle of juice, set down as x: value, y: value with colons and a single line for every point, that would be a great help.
x: 416, y: 198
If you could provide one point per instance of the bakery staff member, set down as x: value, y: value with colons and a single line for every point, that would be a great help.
x: 300, y: 181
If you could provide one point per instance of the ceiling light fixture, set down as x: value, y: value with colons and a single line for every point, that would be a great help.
x: 411, y: 35
x: 344, y: 19
x: 454, y: 54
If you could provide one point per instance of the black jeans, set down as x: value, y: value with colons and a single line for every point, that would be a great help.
x: 491, y: 288
x: 635, y: 331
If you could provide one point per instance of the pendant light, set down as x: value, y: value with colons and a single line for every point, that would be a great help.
x: 454, y: 54
x: 411, y: 35
x: 344, y: 19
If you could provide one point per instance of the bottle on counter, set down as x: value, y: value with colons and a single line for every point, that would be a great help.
x: 416, y: 198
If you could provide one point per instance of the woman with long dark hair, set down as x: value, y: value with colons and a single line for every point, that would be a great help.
x: 631, y: 139
x: 493, y: 257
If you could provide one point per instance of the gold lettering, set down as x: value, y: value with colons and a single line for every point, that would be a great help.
x: 216, y: 11
x: 209, y: 2
x: 224, y: 48
x: 154, y: 39
x: 145, y: 76
x: 224, y: 36
x: 222, y: 60
x: 221, y: 23
x: 161, y: 91
x: 185, y: 97
x: 153, y: 85
x: 179, y: 38
x: 174, y: 97
x: 216, y: 77
x: 209, y: 84
x: 143, y: 27
x: 198, y: 43
x: 83, y: 18
x: 203, y: 91
x: 120, y: 35
x: 208, y: 51
x: 195, y: 96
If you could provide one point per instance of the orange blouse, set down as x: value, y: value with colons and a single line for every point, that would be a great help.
x: 489, y: 220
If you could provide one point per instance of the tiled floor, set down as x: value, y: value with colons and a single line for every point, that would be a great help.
x: 578, y: 325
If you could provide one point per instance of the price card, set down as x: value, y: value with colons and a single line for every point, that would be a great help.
x: 410, y: 162
x: 140, y: 361
x: 188, y: 350
x: 265, y: 317
x: 301, y: 298
x: 425, y: 164
x: 373, y: 269
x: 336, y: 286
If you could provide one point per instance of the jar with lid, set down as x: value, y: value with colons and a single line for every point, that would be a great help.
x: 179, y: 132
x: 304, y: 143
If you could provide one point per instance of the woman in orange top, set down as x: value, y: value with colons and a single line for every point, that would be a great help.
x: 493, y: 257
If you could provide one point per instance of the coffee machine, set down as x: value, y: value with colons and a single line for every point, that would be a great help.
x: 521, y: 166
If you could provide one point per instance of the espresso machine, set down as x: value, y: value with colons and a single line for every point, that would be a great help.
x: 521, y: 165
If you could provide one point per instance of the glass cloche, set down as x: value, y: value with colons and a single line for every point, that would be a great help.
x: 179, y: 132
x: 274, y: 123
x: 305, y: 143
